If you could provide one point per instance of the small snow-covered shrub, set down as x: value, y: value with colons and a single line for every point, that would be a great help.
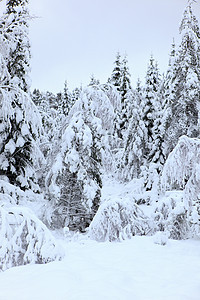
x: 171, y: 217
x: 194, y: 222
x: 118, y: 220
x: 24, y: 239
x: 161, y: 238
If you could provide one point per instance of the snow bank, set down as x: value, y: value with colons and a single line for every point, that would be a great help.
x: 134, y: 269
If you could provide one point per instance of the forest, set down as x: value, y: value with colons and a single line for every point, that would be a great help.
x: 60, y: 152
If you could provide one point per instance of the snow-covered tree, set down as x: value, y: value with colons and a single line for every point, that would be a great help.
x: 118, y: 220
x: 14, y: 28
x: 74, y: 182
x: 116, y: 75
x: 20, y: 124
x: 182, y: 171
x: 126, y: 94
x: 93, y: 81
x: 171, y: 217
x: 67, y: 99
x: 24, y: 238
x: 133, y: 154
x: 150, y: 105
x: 185, y: 82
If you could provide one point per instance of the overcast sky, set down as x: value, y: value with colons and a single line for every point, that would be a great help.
x: 72, y: 39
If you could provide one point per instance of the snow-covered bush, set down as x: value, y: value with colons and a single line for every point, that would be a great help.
x: 171, y: 216
x: 118, y: 220
x: 161, y: 238
x: 24, y: 239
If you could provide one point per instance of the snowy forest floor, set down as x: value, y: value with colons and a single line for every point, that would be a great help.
x: 133, y: 269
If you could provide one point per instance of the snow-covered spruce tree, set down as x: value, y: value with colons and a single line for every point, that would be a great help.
x: 133, y: 154
x: 151, y: 109
x: 67, y: 99
x: 120, y: 78
x: 166, y: 96
x: 126, y: 95
x: 185, y: 82
x: 116, y: 75
x: 74, y: 181
x: 16, y: 31
x: 151, y: 105
x: 20, y: 123
x: 93, y: 81
x: 36, y: 97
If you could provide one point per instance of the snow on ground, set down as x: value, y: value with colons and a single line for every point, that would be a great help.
x: 136, y: 269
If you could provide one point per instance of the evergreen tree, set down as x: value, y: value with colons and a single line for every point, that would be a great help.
x: 185, y: 82
x: 67, y: 99
x: 18, y: 63
x: 36, y: 97
x: 150, y: 106
x: 93, y: 81
x: 126, y: 94
x: 134, y: 146
x: 116, y: 73
x: 20, y: 124
x: 74, y: 181
x: 125, y: 85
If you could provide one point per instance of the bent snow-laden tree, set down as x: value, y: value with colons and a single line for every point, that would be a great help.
x: 119, y: 220
x: 20, y: 123
x: 74, y: 181
x: 24, y: 238
x: 182, y: 171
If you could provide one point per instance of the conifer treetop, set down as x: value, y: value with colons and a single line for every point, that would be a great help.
x: 189, y: 21
x: 13, y: 4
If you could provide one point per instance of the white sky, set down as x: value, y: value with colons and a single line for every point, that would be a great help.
x: 73, y: 39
